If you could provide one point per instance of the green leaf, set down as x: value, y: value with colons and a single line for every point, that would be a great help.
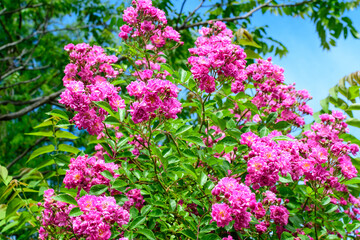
x: 46, y: 123
x: 122, y: 114
x: 98, y: 189
x: 250, y: 54
x: 352, y: 181
x: 211, y: 236
x: 331, y: 208
x: 189, y: 233
x: 136, y: 222
x: 252, y: 107
x: 167, y: 67
x: 183, y: 129
x: 355, y: 106
x: 286, y: 236
x: 353, y: 92
x: 246, y: 42
x: 272, y: 117
x: 230, y: 124
x: 63, y: 134
x: 172, y: 204
x: 106, y: 106
x: 42, y: 150
x: 195, y: 140
x: 264, y: 131
x: 353, y: 122
x: 156, y: 213
x: 286, y: 179
x: 190, y: 169
x: 65, y: 198
x: 3, y: 173
x: 107, y: 174
x: 68, y: 148
x: 325, y: 201
x: 325, y: 104
x: 282, y: 138
x: 119, y: 183
x: 147, y: 233
x: 146, y: 209
x: 334, y: 92
x: 203, y: 178
x: 236, y: 133
x: 58, y: 113
x: 228, y: 141
x: 75, y: 212
x: 352, y: 226
x: 282, y: 125
x: 42, y: 134
x: 184, y: 75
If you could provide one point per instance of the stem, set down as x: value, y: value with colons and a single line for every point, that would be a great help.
x: 56, y: 149
x: 315, y: 225
x: 198, y: 227
x: 177, y: 147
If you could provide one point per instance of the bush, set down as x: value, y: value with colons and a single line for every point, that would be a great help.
x: 220, y: 163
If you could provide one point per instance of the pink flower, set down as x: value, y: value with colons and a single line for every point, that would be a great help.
x: 221, y: 214
x: 279, y: 214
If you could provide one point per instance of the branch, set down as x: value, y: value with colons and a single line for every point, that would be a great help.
x: 22, y: 68
x: 3, y: 11
x: 291, y: 5
x: 20, y: 40
x: 181, y: 9
x: 5, y: 102
x: 47, y: 31
x: 42, y: 101
x: 190, y: 15
x: 71, y: 28
x: 25, y: 152
x: 248, y: 14
x: 56, y: 103
x: 24, y: 82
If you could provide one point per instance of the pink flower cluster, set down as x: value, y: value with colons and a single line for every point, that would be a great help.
x: 265, y: 160
x: 272, y: 93
x: 86, y: 82
x: 239, y: 204
x: 216, y: 59
x: 238, y: 198
x: 146, y: 22
x: 320, y: 156
x: 335, y: 154
x: 98, y: 216
x: 55, y: 214
x: 155, y: 98
x: 135, y: 199
x: 85, y: 172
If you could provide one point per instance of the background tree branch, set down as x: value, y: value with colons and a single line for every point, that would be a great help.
x: 41, y: 101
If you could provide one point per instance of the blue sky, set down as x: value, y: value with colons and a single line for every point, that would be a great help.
x: 307, y: 64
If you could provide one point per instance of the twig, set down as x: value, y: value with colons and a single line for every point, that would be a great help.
x: 22, y: 68
x: 291, y: 5
x: 24, y: 82
x: 181, y: 9
x: 190, y: 15
x: 25, y: 152
x: 3, y: 12
x: 248, y: 14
